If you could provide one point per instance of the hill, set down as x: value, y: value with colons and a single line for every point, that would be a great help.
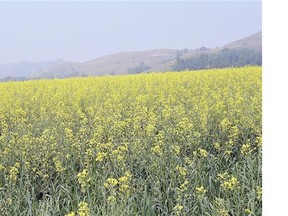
x: 253, y: 42
x: 144, y: 61
x: 246, y: 51
x: 127, y: 62
x: 120, y: 63
x: 27, y: 68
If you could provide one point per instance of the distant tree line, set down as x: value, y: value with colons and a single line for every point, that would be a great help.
x: 44, y: 76
x: 9, y: 78
x: 181, y: 52
x: 62, y: 75
x: 225, y: 58
x: 139, y: 68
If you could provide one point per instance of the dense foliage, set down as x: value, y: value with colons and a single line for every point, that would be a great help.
x: 225, y: 58
x: 185, y: 143
x: 139, y: 68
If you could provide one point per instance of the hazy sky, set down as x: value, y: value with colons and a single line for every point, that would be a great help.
x: 80, y: 31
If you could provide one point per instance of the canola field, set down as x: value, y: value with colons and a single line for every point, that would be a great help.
x: 175, y: 143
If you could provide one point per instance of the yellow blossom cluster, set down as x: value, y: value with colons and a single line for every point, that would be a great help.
x: 200, y: 190
x: 147, y: 142
x: 230, y: 184
x: 118, y: 187
x: 14, y: 172
x: 83, y: 210
x: 83, y: 179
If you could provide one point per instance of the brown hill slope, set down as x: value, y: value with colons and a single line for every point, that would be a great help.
x: 155, y: 60
x: 123, y: 63
x: 120, y: 63
x: 253, y: 42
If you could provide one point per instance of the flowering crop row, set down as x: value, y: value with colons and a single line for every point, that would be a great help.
x: 175, y: 143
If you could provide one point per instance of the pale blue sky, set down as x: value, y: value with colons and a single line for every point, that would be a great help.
x: 80, y: 31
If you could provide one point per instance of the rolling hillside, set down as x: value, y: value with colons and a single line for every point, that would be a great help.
x: 27, y: 68
x: 253, y: 42
x: 120, y: 63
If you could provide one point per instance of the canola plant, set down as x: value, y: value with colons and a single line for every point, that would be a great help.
x: 174, y: 143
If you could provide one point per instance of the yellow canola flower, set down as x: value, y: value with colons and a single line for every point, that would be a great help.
x: 181, y: 170
x: 188, y: 161
x: 157, y: 150
x: 111, y: 198
x: 176, y: 149
x: 83, y: 209
x: 248, y: 211
x: 71, y: 214
x: 69, y: 133
x: 200, y: 152
x: 246, y: 149
x: 200, y: 190
x: 203, y: 153
x: 124, y: 182
x: 83, y: 179
x: 230, y: 184
x: 259, y: 192
x: 178, y: 207
x: 58, y: 165
x: 259, y: 142
x: 217, y: 145
x: 222, y: 212
x: 124, y: 179
x: 228, y: 152
x: 222, y: 176
x: 14, y: 172
x: 183, y: 187
x: 101, y: 156
x: 110, y: 182
x: 124, y: 188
